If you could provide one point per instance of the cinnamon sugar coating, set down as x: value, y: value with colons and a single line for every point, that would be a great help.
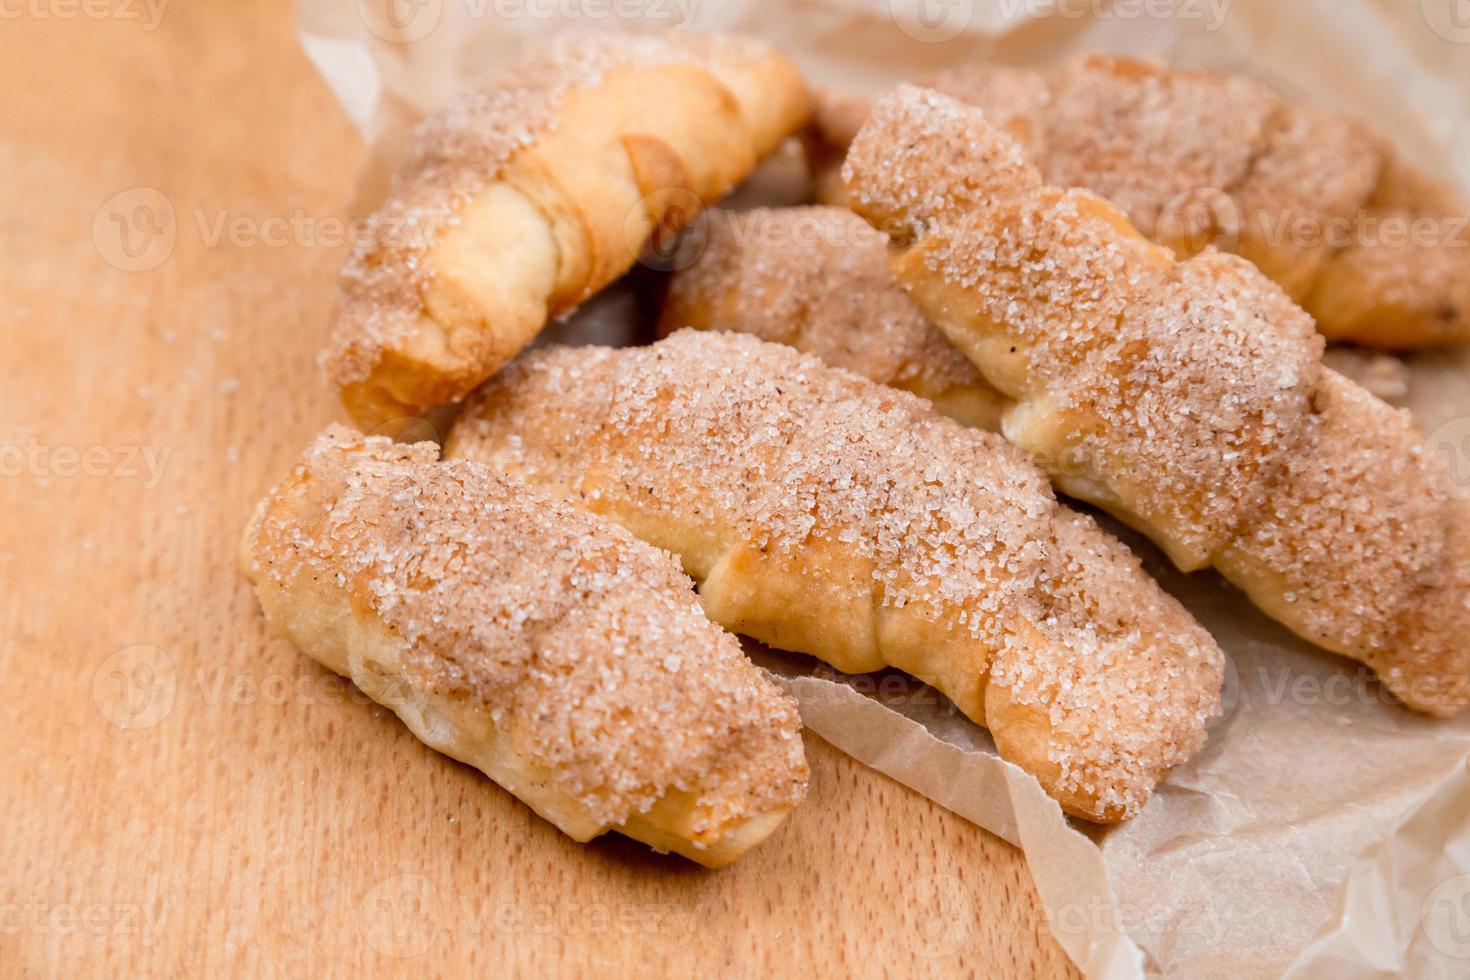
x: 1376, y: 251
x: 817, y: 279
x: 584, y: 647
x: 827, y: 514
x: 1187, y: 398
x: 521, y: 199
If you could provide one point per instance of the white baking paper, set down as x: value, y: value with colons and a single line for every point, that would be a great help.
x: 1324, y: 831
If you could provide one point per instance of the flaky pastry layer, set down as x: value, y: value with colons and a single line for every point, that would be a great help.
x: 826, y: 514
x: 817, y: 279
x: 1187, y: 398
x: 1375, y: 250
x: 548, y: 648
x: 522, y: 199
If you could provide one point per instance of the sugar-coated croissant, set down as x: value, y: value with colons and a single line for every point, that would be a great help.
x: 1376, y: 251
x: 826, y: 514
x: 1187, y: 398
x: 522, y: 199
x: 546, y: 647
x: 817, y: 279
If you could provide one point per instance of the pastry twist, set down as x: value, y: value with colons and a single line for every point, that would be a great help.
x: 1186, y: 398
x: 825, y: 514
x: 522, y: 199
x: 1375, y: 250
x: 541, y: 645
x: 817, y: 279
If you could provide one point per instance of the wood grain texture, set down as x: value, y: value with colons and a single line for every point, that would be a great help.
x: 184, y: 793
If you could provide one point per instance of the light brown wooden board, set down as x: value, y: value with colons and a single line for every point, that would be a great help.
x: 259, y: 817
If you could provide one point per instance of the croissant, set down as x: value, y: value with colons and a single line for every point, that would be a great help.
x: 1187, y: 398
x: 522, y: 199
x: 817, y: 279
x: 545, y: 647
x: 826, y: 514
x: 1375, y: 250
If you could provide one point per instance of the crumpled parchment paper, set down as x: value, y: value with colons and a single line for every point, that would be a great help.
x: 1324, y: 831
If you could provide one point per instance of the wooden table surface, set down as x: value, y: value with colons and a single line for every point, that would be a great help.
x: 182, y: 792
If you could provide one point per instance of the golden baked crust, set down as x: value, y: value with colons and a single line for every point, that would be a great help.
x: 1375, y: 250
x: 568, y: 661
x: 1187, y: 398
x: 817, y: 279
x: 823, y: 513
x: 522, y: 199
